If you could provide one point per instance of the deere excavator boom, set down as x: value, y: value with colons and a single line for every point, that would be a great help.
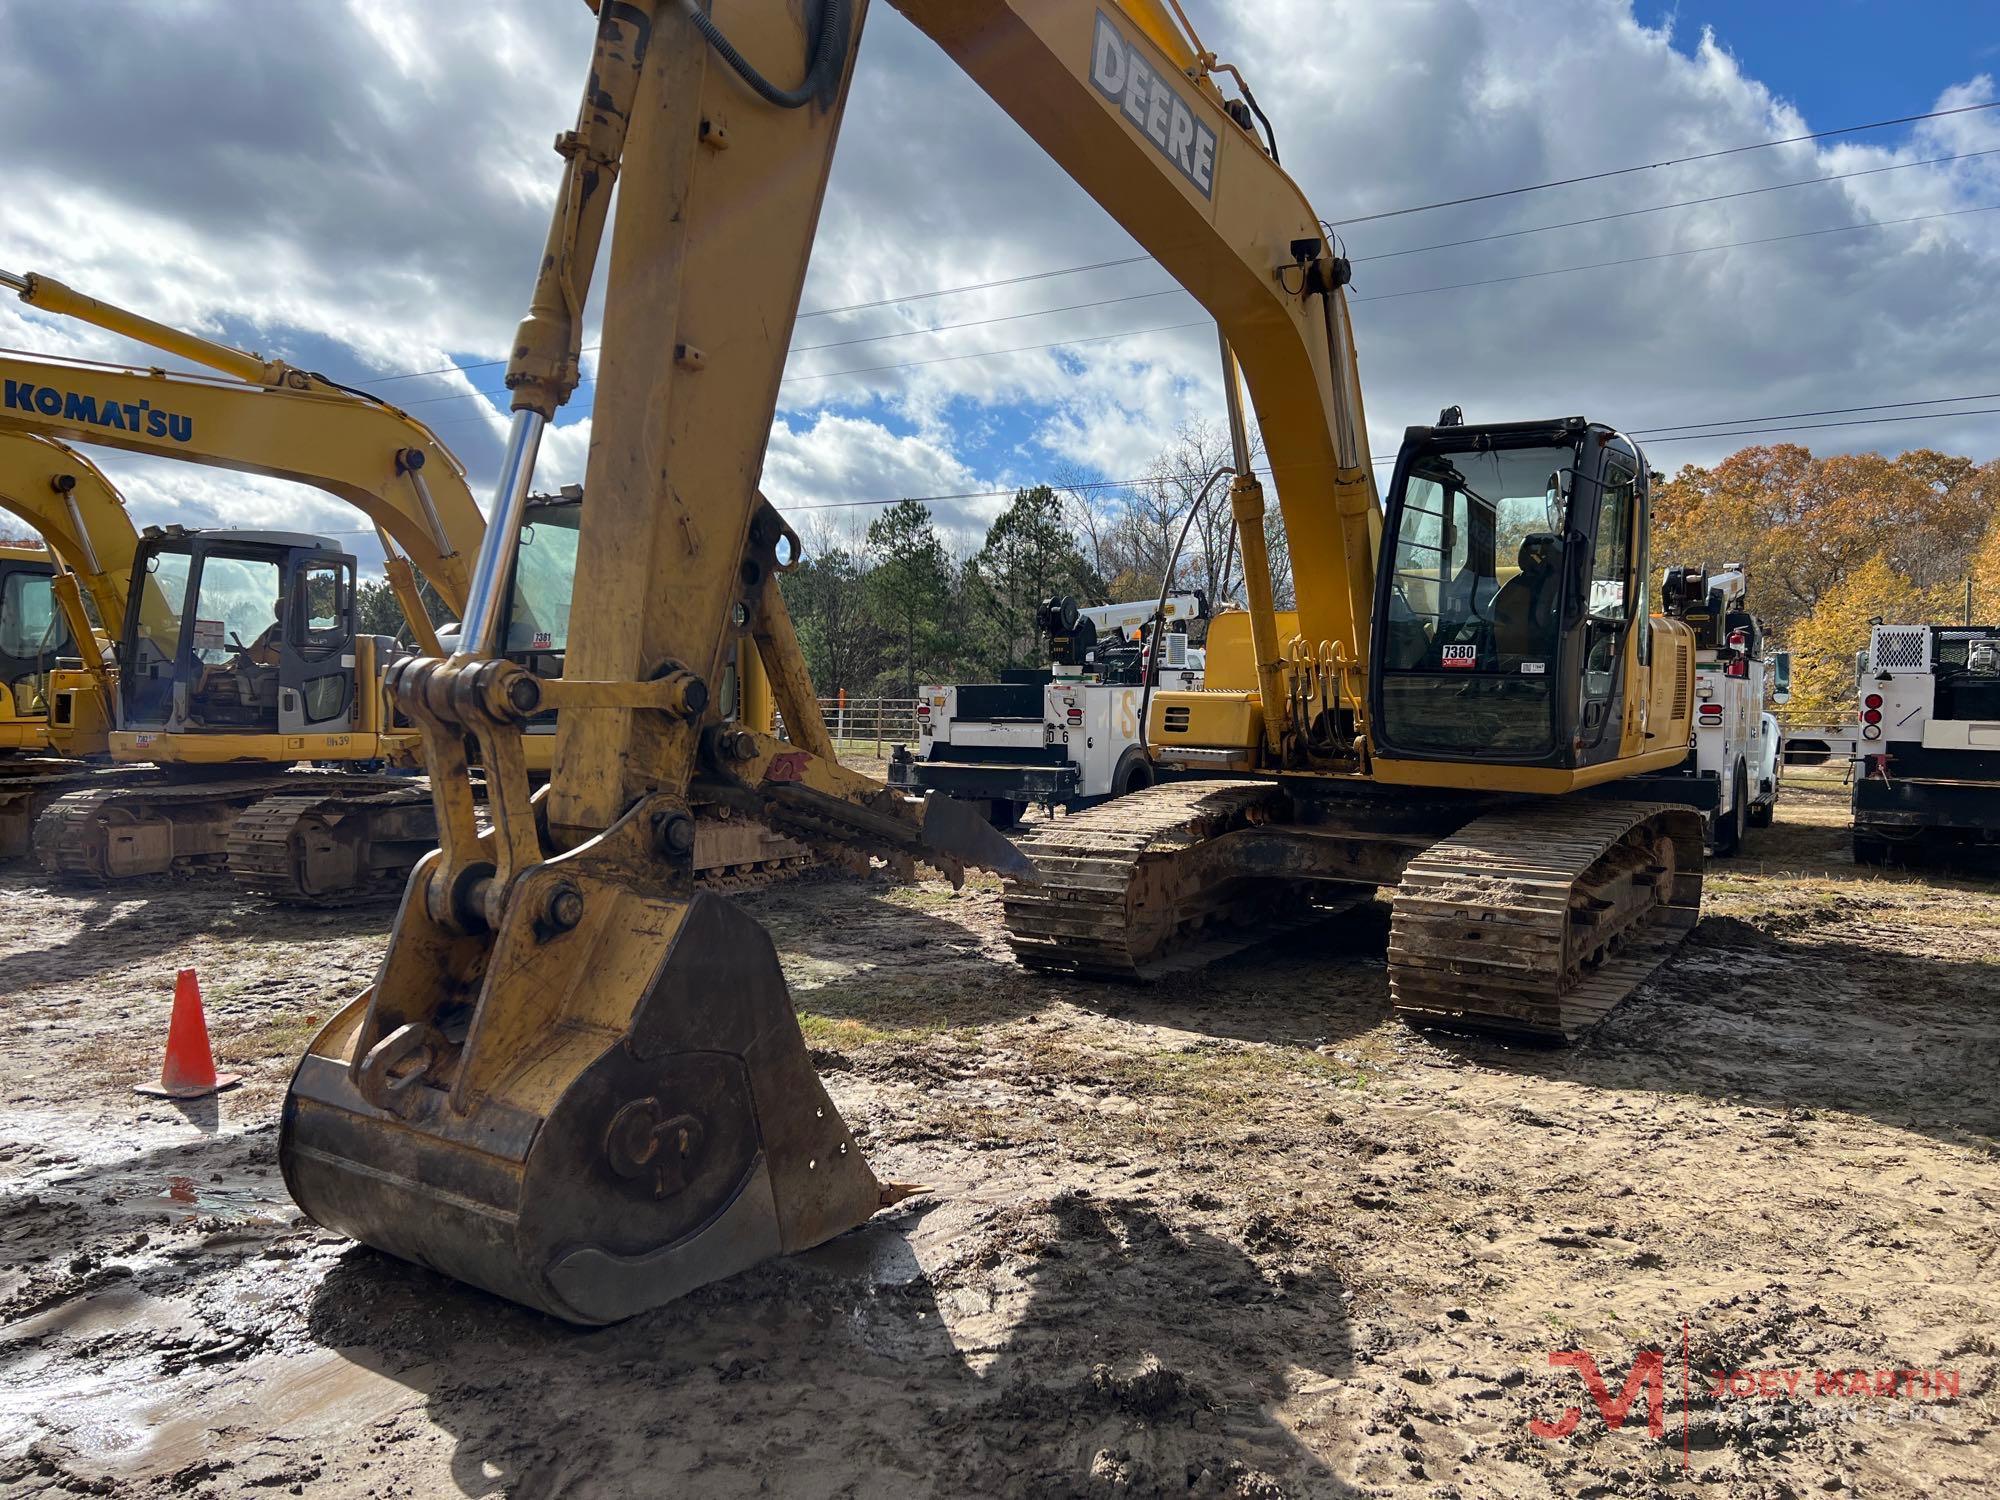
x: 577, y: 1081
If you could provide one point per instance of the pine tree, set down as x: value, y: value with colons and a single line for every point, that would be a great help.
x: 910, y: 588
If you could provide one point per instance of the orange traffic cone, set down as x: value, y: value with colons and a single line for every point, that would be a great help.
x: 189, y: 1069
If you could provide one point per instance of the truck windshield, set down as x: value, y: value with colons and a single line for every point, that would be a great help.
x: 1475, y: 600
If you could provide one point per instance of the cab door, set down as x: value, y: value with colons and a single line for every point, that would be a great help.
x: 316, y: 670
x: 1612, y: 600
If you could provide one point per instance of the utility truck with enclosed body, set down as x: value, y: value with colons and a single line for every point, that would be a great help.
x: 1928, y: 781
x: 1069, y: 735
x: 1732, y: 771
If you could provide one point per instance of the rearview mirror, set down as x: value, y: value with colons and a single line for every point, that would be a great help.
x: 1781, y: 677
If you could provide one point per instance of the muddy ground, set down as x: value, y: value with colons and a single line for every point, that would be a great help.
x: 1240, y: 1234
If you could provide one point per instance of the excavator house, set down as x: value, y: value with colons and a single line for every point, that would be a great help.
x: 577, y: 1080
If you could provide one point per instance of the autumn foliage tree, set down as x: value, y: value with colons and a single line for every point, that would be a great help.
x: 1833, y: 542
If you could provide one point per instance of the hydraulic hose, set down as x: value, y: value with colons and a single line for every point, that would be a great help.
x: 829, y: 47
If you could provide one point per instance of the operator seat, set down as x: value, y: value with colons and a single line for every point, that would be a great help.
x: 1524, y: 610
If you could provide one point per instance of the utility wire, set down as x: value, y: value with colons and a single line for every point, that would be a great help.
x: 1133, y: 260
x: 1645, y: 432
x: 1633, y: 213
x: 1633, y: 260
x: 1119, y: 484
x: 1043, y: 312
x: 1672, y: 161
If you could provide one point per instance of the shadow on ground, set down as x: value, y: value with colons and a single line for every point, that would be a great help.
x: 1071, y: 1345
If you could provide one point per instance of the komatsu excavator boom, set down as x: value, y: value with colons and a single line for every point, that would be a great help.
x: 578, y: 1082
x: 189, y: 699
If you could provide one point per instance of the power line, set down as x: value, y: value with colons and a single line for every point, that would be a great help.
x: 1633, y: 260
x: 1043, y: 312
x: 1633, y: 213
x: 1132, y: 260
x: 1646, y: 432
x: 1672, y: 161
x: 1118, y: 484
x: 907, y: 364
x: 1929, y: 416
x: 821, y: 312
x: 1826, y: 411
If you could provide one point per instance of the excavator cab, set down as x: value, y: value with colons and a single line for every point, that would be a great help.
x: 33, y: 634
x: 253, y: 633
x: 1511, y: 615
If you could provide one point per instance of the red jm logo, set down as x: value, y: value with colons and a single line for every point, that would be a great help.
x: 1649, y: 1374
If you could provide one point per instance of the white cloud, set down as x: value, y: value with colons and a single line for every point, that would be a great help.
x: 365, y: 187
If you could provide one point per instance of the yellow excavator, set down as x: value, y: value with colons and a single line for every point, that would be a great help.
x: 256, y: 659
x: 577, y: 1081
x: 61, y: 495
x: 66, y: 499
x: 33, y: 632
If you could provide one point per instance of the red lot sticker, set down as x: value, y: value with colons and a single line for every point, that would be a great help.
x: 1461, y: 656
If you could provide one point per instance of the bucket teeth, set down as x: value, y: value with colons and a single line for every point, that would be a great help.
x: 616, y: 1167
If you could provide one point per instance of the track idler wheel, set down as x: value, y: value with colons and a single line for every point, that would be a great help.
x: 602, y: 1169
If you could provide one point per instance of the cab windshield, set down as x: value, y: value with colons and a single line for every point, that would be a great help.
x: 1474, y: 604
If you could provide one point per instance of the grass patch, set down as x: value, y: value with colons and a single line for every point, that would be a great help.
x: 287, y: 1037
x: 842, y: 1032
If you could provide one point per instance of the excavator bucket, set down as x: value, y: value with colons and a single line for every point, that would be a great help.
x: 631, y: 1149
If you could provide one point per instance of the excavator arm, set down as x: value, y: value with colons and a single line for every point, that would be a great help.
x: 351, y: 445
x: 576, y: 1081
x: 380, y: 461
x: 66, y: 498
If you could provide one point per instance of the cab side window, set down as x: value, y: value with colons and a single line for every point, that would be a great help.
x: 1611, y: 558
x: 325, y: 592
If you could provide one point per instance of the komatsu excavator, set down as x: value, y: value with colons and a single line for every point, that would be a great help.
x: 577, y: 1081
x: 256, y: 659
x: 66, y: 499
x: 33, y: 630
x: 60, y: 494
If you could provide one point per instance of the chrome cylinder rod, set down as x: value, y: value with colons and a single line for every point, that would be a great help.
x: 1232, y: 393
x: 479, y: 635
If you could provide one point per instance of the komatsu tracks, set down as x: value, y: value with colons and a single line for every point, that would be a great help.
x: 1533, y: 920
x: 122, y: 831
x: 331, y: 849
x: 26, y: 793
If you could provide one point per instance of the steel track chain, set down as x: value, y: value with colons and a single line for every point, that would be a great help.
x: 1537, y: 920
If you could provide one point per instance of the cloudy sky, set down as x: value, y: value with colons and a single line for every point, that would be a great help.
x: 363, y: 188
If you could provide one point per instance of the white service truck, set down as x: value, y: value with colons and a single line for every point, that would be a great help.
x: 1733, y: 767
x: 1928, y: 781
x: 1068, y: 735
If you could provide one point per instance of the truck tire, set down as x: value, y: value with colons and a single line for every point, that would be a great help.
x: 1869, y: 851
x: 1729, y: 825
x: 1134, y: 773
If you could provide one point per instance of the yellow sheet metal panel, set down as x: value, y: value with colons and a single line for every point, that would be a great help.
x: 1539, y: 779
x: 1231, y: 720
x: 1230, y: 662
